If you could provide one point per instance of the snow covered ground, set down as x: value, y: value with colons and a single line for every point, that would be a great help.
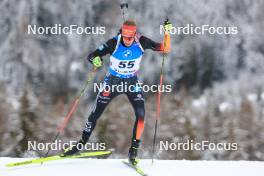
x: 114, y: 167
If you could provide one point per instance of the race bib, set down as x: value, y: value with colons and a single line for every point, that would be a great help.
x: 125, y: 66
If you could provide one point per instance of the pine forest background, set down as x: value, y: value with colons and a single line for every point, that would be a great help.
x: 217, y: 80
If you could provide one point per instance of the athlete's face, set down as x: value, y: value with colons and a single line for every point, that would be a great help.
x: 128, y: 40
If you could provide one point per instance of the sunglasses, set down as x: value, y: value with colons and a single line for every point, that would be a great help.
x: 128, y: 38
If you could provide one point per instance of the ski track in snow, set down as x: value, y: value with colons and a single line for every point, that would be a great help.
x: 115, y: 167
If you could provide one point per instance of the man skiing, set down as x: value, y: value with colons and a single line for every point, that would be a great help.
x: 126, y: 51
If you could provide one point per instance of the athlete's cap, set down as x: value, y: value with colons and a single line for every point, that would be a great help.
x: 129, y: 28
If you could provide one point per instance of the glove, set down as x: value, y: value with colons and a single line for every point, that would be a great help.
x: 97, y: 62
x: 167, y: 26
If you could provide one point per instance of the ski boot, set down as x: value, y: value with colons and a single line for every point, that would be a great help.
x: 132, y: 155
x: 74, y: 149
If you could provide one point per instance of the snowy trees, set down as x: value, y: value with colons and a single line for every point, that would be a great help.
x: 51, y: 68
x: 28, y: 120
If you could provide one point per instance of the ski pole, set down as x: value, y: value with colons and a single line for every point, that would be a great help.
x: 123, y: 5
x: 158, y: 108
x: 158, y: 102
x: 72, y: 109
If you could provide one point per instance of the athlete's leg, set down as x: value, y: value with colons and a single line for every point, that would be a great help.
x: 136, y: 98
x: 102, y: 100
x: 138, y: 103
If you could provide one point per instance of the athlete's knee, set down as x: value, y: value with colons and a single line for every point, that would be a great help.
x: 140, y: 112
x: 92, y: 117
x: 90, y: 123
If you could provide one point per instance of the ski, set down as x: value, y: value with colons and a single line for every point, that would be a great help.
x: 135, y: 167
x: 60, y: 157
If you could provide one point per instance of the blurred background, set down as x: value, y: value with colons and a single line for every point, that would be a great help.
x: 217, y: 80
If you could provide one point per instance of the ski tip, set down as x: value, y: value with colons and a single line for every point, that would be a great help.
x: 135, y: 167
x: 18, y: 163
x: 9, y: 165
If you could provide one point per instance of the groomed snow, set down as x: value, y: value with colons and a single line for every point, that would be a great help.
x: 115, y: 167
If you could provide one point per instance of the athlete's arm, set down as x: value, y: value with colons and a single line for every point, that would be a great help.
x: 147, y: 43
x: 104, y: 49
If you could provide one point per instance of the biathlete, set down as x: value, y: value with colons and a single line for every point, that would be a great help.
x: 126, y: 51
